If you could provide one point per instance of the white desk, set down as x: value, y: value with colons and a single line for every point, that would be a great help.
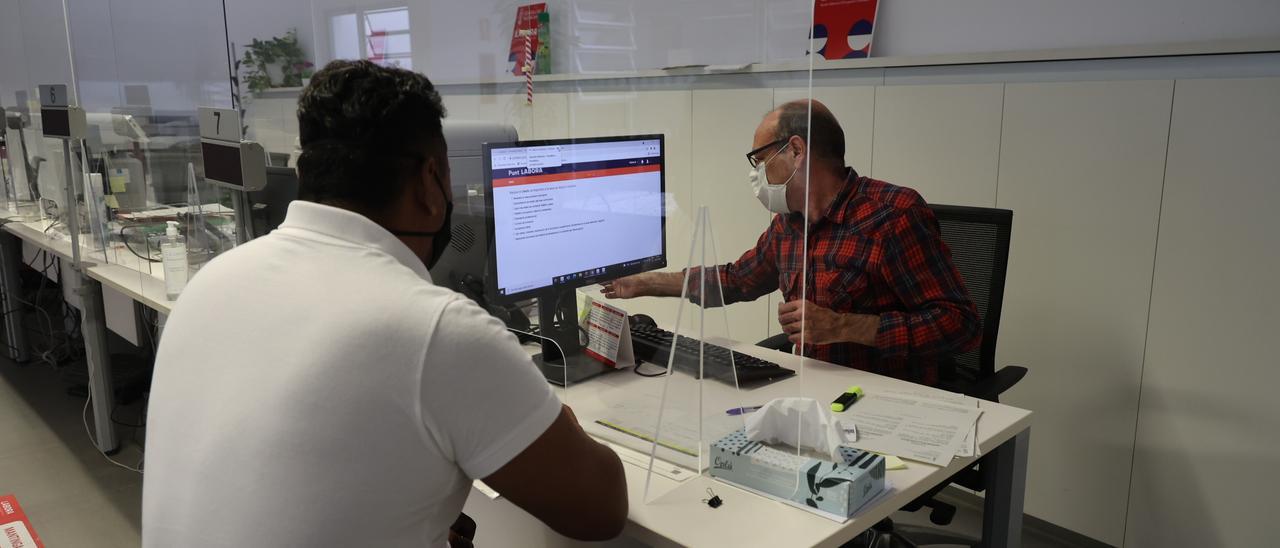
x: 92, y: 320
x: 34, y: 234
x: 137, y: 285
x: 141, y: 287
x: 746, y: 519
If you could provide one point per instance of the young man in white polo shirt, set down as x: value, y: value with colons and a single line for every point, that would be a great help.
x: 314, y: 388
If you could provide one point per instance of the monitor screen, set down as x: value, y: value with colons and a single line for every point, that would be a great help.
x: 222, y: 163
x: 574, y: 212
x: 57, y: 122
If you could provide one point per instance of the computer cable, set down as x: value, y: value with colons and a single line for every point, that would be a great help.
x: 53, y: 352
x: 125, y: 239
x: 84, y: 417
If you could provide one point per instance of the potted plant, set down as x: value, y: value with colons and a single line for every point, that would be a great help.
x: 263, y: 60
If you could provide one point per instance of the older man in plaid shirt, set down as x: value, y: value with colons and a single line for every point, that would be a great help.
x: 879, y: 293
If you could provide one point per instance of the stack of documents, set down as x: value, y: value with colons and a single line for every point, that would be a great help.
x: 927, y: 425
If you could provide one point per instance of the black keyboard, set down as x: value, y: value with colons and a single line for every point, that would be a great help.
x: 653, y: 345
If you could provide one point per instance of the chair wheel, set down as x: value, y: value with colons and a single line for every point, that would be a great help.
x: 942, y: 515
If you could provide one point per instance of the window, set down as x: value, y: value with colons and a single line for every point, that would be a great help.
x: 380, y: 35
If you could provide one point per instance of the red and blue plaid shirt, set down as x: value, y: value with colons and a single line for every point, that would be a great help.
x: 878, y: 250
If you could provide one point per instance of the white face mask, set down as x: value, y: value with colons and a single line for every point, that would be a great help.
x: 773, y: 197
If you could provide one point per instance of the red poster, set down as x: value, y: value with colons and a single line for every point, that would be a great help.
x: 842, y: 29
x: 526, y: 19
x: 15, y: 529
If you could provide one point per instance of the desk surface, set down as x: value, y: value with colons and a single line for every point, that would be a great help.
x: 140, y: 286
x: 675, y: 514
x: 34, y: 233
x: 144, y: 288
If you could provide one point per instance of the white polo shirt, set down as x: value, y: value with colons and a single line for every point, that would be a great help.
x: 313, y: 388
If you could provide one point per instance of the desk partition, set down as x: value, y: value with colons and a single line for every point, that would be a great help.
x: 568, y: 77
x: 144, y: 68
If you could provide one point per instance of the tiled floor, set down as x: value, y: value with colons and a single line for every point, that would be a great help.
x: 76, y: 498
x: 73, y: 496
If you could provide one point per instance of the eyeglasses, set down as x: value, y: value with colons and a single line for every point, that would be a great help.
x: 752, y: 156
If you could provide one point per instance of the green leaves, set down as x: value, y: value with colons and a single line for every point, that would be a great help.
x: 831, y: 482
x: 284, y: 51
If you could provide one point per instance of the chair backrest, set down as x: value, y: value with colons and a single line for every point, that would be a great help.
x: 979, y: 242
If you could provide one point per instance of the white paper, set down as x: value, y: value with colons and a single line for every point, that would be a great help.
x: 850, y: 430
x: 970, y: 444
x: 913, y: 428
x: 661, y: 467
x: 630, y: 422
x: 488, y: 491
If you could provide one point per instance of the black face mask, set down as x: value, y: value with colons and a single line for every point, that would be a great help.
x: 440, y: 238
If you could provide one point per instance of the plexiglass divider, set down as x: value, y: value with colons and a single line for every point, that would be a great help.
x: 140, y: 101
x: 10, y: 152
x: 50, y: 190
x: 91, y: 199
x: 686, y: 401
x: 706, y: 119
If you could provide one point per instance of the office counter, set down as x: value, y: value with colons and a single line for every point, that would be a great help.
x: 676, y: 515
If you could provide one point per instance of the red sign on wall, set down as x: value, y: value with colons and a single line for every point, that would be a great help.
x: 526, y: 20
x: 842, y: 29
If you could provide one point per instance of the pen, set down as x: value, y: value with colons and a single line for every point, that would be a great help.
x: 743, y: 410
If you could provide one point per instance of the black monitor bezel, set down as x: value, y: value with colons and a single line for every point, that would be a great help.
x: 222, y: 163
x: 611, y: 272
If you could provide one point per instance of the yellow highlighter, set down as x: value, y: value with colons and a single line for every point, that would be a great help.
x: 846, y: 399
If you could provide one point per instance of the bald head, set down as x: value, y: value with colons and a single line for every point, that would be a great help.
x: 792, y: 118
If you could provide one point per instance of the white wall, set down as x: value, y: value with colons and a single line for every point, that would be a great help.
x: 174, y: 47
x: 1081, y: 166
x: 1205, y: 469
x: 921, y: 27
x: 468, y: 41
x: 43, y: 56
x: 942, y: 140
x: 13, y: 58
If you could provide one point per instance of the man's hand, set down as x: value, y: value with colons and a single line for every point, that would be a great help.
x: 648, y: 284
x: 822, y: 326
x: 625, y: 288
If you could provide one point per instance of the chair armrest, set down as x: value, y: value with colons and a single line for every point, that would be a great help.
x: 778, y: 342
x: 989, y: 388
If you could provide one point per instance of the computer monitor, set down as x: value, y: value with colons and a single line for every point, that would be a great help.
x: 465, y: 265
x: 270, y: 204
x: 569, y: 213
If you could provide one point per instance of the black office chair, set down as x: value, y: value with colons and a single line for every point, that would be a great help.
x: 979, y: 242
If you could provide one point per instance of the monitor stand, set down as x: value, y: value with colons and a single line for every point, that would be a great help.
x: 575, y: 366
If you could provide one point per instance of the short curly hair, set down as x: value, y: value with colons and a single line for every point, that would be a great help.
x: 363, y: 129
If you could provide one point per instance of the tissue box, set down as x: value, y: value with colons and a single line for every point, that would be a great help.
x: 836, y: 488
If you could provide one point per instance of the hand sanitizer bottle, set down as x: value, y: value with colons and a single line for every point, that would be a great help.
x: 173, y: 252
